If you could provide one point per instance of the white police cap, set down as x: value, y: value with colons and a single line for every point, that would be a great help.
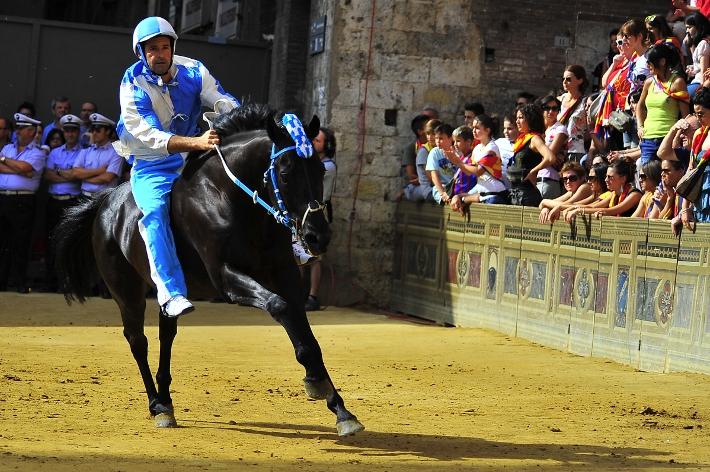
x: 24, y: 120
x: 97, y: 119
x: 70, y: 120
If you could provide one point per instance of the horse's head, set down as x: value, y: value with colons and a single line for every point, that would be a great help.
x: 298, y: 173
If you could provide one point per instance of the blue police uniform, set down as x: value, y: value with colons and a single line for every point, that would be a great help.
x: 95, y: 157
x: 17, y: 205
x: 151, y: 113
x: 63, y: 158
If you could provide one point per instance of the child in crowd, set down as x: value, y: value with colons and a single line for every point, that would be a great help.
x: 487, y: 167
x: 421, y: 190
x: 441, y: 169
x: 461, y: 156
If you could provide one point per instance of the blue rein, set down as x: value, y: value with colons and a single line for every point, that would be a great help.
x: 281, y: 214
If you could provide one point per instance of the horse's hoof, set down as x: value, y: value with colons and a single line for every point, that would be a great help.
x: 318, y: 390
x: 165, y: 420
x: 349, y: 427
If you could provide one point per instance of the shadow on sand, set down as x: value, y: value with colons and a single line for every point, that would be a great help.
x: 452, y: 448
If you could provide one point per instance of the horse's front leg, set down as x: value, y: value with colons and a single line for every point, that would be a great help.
x: 317, y: 382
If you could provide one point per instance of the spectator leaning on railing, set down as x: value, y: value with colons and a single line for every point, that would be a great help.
x: 576, y: 189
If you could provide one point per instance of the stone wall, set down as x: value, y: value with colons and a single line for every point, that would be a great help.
x: 429, y: 52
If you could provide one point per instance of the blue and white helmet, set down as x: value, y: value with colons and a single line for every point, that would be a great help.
x: 149, y: 28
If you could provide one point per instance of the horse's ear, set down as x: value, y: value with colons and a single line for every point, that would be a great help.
x: 272, y: 129
x: 313, y: 128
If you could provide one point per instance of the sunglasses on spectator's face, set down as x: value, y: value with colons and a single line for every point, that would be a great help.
x: 570, y: 178
x: 550, y: 108
x: 642, y: 177
x: 567, y: 79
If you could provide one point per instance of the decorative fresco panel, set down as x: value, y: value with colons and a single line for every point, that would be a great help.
x: 683, y: 314
x: 539, y: 276
x: 510, y: 284
x: 567, y: 275
x: 492, y: 274
x: 421, y: 260
x: 622, y: 297
x: 645, y: 298
x: 602, y: 286
x: 474, y: 272
x: 451, y: 266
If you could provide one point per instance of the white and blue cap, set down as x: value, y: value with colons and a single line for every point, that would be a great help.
x: 69, y: 121
x: 149, y: 28
x: 97, y: 119
x: 304, y: 147
x: 22, y: 120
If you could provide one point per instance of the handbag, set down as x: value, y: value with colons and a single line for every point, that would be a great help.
x: 620, y: 120
x: 690, y: 185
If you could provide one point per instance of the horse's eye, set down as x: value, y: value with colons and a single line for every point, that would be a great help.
x: 284, y: 177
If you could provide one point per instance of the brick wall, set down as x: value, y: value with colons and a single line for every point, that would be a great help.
x: 429, y: 52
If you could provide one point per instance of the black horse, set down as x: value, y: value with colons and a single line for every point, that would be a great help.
x: 228, y: 247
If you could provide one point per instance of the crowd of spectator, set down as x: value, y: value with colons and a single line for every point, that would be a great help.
x: 612, y: 143
x: 44, y: 169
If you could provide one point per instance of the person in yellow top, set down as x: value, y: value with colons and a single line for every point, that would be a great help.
x: 663, y: 100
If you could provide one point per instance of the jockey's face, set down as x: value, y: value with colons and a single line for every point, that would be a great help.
x: 159, y: 55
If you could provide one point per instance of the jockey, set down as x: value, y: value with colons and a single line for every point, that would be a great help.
x: 161, y: 97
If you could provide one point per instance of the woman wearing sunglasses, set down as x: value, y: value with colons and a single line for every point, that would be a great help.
x: 576, y: 190
x: 599, y: 192
x: 664, y: 99
x: 622, y: 199
x: 572, y: 113
x: 649, y: 178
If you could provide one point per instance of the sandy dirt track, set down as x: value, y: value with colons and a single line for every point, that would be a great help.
x: 430, y: 397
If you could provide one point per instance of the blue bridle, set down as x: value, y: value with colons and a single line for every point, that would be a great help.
x: 303, y: 149
x: 281, y: 215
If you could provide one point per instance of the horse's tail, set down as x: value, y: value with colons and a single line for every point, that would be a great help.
x: 75, y: 262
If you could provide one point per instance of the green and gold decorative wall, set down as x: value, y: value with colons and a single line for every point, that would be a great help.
x: 619, y: 288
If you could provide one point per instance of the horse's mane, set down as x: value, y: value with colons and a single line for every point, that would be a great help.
x: 247, y: 117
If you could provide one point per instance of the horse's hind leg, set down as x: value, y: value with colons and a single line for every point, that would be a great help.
x: 168, y: 330
x: 128, y: 290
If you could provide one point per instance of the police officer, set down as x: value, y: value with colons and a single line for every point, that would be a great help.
x: 161, y: 98
x: 98, y: 166
x: 63, y: 187
x: 21, y: 166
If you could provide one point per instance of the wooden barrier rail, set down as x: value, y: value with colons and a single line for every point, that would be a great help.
x: 619, y: 288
